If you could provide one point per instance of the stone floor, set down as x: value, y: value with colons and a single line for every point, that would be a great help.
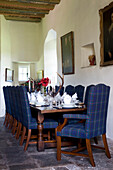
x: 12, y: 156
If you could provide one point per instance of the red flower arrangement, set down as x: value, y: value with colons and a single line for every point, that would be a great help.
x: 36, y: 84
x: 44, y: 82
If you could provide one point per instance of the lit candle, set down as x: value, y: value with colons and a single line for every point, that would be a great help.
x: 33, y: 85
x: 29, y: 85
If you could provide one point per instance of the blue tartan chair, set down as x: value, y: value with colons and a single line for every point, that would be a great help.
x: 87, y: 93
x: 61, y: 91
x: 95, y: 124
x: 14, y: 109
x: 9, y: 97
x: 18, y: 112
x: 7, y: 106
x: 29, y: 121
x: 79, y: 89
x: 70, y: 90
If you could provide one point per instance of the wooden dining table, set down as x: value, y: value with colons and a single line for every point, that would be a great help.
x: 51, y: 111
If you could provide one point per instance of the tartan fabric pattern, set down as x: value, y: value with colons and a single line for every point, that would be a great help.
x: 28, y: 120
x: 97, y: 106
x: 70, y: 90
x: 80, y: 92
x: 73, y: 130
x: 10, y: 99
x: 13, y: 103
x: 18, y: 104
x: 87, y: 93
x: 6, y: 97
x: 95, y: 124
x: 75, y: 116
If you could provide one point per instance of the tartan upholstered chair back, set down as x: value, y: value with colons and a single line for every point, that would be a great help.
x: 18, y: 105
x: 14, y: 102
x: 25, y: 107
x: 6, y: 97
x: 70, y: 90
x: 97, y: 106
x: 9, y: 97
x: 61, y: 91
x: 79, y: 89
x: 87, y: 93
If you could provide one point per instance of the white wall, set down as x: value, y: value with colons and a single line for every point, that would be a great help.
x: 6, y: 61
x: 50, y: 57
x: 19, y: 43
x: 82, y: 17
x: 24, y: 41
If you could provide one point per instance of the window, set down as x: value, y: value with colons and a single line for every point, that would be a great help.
x: 23, y: 72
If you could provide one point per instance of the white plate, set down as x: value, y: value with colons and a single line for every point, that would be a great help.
x: 40, y: 103
x: 69, y: 106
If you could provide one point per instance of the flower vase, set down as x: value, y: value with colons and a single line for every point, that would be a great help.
x: 43, y: 90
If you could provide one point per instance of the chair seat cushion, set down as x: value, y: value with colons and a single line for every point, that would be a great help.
x: 47, y: 124
x: 73, y: 130
x: 50, y: 123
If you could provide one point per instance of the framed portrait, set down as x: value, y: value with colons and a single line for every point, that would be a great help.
x: 67, y: 49
x: 40, y: 74
x: 9, y: 75
x: 106, y: 35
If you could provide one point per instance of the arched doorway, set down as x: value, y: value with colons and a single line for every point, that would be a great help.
x: 50, y: 57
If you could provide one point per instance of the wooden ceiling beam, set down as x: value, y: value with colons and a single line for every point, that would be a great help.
x: 7, y: 10
x: 21, y: 15
x: 23, y: 19
x: 41, y: 1
x: 22, y: 5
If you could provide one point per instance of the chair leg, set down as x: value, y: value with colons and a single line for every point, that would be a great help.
x: 14, y: 126
x: 48, y: 134
x: 18, y: 130
x: 106, y: 146
x: 23, y: 135
x: 6, y: 116
x: 88, y: 145
x: 55, y: 133
x: 79, y: 144
x: 10, y: 122
x: 95, y: 140
x: 58, y: 148
x: 7, y: 121
x: 28, y: 138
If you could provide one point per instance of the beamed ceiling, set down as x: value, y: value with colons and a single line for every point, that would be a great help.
x: 26, y: 10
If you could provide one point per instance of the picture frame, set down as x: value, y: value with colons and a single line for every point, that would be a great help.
x: 9, y: 75
x: 106, y: 35
x: 40, y: 74
x: 67, y: 50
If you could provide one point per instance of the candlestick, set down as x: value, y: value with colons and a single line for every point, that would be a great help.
x: 29, y: 85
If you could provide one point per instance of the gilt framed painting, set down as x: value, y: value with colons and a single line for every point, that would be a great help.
x: 106, y: 35
x: 9, y: 75
x: 67, y: 49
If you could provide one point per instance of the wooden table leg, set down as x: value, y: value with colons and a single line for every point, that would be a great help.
x: 40, y: 132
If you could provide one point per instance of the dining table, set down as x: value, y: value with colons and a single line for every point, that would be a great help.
x: 42, y: 111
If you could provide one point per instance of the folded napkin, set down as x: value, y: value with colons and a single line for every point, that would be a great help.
x: 74, y: 96
x: 67, y: 99
x: 40, y: 98
x: 32, y: 98
x: 64, y: 95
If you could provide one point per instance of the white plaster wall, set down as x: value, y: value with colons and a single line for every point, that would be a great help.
x: 24, y: 41
x: 19, y: 43
x: 82, y: 17
x: 6, y: 61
